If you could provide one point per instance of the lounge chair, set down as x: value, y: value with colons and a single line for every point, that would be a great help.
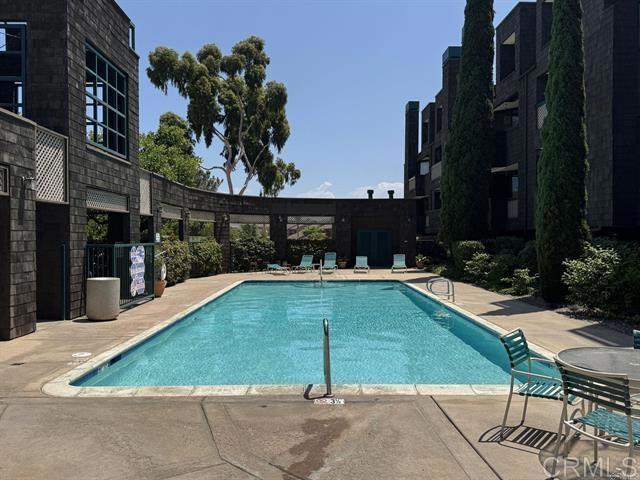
x: 275, y: 268
x: 399, y: 262
x: 330, y: 262
x: 362, y: 263
x: 306, y: 264
x: 636, y: 339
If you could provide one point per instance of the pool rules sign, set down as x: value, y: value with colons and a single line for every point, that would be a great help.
x: 136, y: 270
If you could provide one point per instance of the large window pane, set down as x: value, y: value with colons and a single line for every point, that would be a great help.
x: 106, y: 103
x: 12, y: 66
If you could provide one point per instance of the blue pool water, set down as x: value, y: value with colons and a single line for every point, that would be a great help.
x: 271, y: 333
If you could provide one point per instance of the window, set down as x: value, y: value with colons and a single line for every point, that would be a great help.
x: 547, y: 20
x: 424, y: 168
x: 508, y: 56
x: 132, y: 36
x: 437, y: 200
x: 4, y: 180
x: 310, y: 228
x: 438, y: 155
x: 425, y: 132
x: 12, y: 66
x: 106, y: 104
x: 515, y: 185
x: 439, y: 119
x: 244, y: 226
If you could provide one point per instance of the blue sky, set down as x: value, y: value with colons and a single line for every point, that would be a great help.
x: 349, y: 67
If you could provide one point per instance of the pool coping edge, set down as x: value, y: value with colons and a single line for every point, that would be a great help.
x: 61, y: 385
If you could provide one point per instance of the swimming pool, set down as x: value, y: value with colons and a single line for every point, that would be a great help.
x: 382, y: 332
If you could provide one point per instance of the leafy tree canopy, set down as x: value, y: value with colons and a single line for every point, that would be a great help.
x: 169, y: 152
x: 229, y: 99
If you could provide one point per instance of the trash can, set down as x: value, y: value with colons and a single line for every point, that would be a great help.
x: 103, y: 298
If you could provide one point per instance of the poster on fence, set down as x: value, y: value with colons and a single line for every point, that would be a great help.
x: 136, y: 270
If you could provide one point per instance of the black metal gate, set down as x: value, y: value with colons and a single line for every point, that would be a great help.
x: 132, y: 263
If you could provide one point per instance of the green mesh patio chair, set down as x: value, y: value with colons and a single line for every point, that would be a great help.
x: 610, y: 415
x: 535, y: 384
x: 399, y: 262
x: 636, y: 339
x: 330, y: 262
x: 362, y: 263
x: 306, y: 264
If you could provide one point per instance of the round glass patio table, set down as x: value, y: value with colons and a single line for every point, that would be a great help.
x: 604, y: 360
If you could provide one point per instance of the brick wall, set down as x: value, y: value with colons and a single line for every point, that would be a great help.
x: 18, y: 232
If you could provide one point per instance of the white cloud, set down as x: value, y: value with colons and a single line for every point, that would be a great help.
x: 321, y: 191
x: 379, y: 190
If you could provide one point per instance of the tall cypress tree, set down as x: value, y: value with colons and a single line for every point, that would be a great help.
x: 561, y: 225
x: 466, y: 170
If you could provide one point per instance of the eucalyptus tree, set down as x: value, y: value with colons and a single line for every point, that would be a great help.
x: 230, y: 100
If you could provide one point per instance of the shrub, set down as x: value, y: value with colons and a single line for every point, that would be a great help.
x: 511, y: 245
x: 591, y: 279
x: 502, y: 267
x: 435, y: 251
x: 251, y: 253
x: 177, y: 259
x: 521, y: 283
x: 528, y: 257
x: 477, y: 268
x: 462, y: 252
x: 206, y: 258
x: 297, y: 248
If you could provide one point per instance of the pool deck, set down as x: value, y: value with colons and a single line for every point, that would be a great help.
x: 374, y: 436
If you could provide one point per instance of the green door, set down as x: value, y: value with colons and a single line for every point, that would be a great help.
x: 375, y: 244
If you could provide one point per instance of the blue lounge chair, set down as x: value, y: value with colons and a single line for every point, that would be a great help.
x: 399, y: 262
x: 306, y: 264
x: 275, y: 268
x: 330, y: 262
x: 636, y: 339
x: 535, y: 385
x: 362, y: 263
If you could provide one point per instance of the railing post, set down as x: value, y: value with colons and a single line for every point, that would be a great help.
x: 327, y: 358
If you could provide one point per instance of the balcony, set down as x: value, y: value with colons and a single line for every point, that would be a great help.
x: 542, y: 113
x: 51, y: 166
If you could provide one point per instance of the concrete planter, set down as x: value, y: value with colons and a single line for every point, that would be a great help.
x: 103, y: 298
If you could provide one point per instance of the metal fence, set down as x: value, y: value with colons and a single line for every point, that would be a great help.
x: 132, y: 263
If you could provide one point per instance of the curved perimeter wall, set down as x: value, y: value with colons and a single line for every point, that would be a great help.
x: 397, y: 216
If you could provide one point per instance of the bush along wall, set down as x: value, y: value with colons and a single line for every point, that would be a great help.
x: 605, y: 279
x: 206, y: 258
x: 177, y: 259
x: 250, y: 254
x: 297, y: 248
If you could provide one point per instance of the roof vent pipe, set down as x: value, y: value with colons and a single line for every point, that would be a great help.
x: 391, y: 192
x: 370, y: 193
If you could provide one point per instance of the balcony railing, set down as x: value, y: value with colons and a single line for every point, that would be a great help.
x: 412, y: 184
x: 51, y: 166
x: 542, y: 114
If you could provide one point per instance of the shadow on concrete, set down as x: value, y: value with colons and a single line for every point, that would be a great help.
x: 521, y: 437
x: 604, y: 335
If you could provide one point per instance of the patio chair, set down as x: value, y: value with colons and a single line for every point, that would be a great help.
x: 362, y: 263
x: 306, y: 264
x: 399, y: 262
x: 329, y: 264
x: 536, y: 385
x: 275, y: 268
x: 610, y: 414
x: 636, y: 339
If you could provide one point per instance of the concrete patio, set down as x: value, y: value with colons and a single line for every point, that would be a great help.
x: 270, y: 437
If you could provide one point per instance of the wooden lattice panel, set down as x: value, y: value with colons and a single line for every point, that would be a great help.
x: 51, y: 167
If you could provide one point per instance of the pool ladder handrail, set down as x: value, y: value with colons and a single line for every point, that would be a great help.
x: 321, y: 277
x: 450, y: 293
x: 327, y: 359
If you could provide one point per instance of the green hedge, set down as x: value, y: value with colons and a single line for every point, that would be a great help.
x: 177, y: 259
x: 251, y: 253
x: 297, y: 248
x: 206, y: 258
